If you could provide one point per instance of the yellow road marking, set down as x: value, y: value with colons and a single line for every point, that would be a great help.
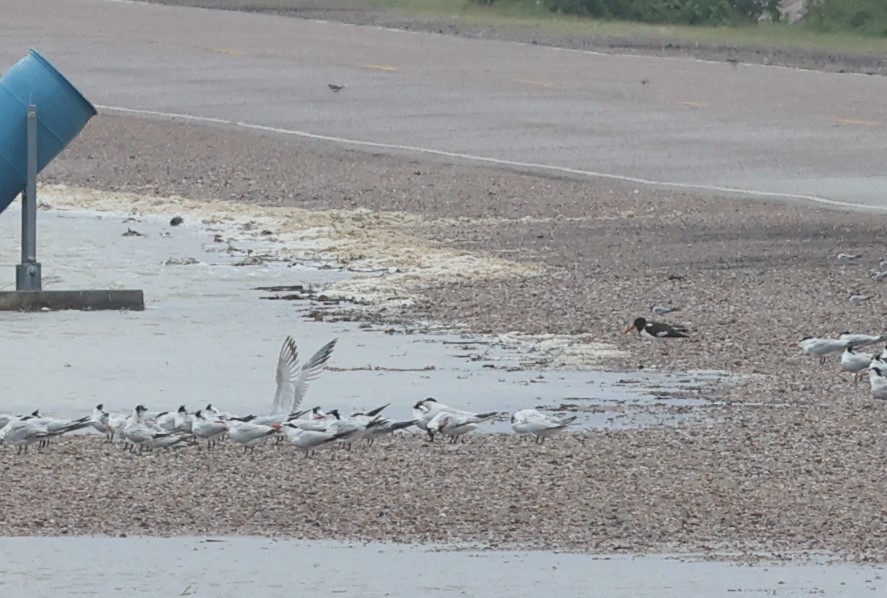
x: 380, y: 67
x: 536, y: 82
x: 692, y: 104
x: 228, y: 51
x: 843, y: 122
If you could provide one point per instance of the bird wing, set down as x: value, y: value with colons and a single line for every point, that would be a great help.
x: 310, y: 371
x: 661, y: 330
x: 287, y: 374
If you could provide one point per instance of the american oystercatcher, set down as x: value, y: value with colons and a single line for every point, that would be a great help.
x: 656, y: 329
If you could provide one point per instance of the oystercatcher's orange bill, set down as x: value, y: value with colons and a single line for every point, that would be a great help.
x: 627, y: 330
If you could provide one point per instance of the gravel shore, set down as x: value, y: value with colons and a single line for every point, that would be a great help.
x: 594, y: 491
x: 793, y: 459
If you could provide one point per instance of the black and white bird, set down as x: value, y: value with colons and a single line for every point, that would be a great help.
x: 426, y: 410
x: 878, y: 383
x: 854, y: 362
x: 649, y: 329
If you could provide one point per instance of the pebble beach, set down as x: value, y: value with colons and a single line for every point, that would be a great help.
x: 787, y: 460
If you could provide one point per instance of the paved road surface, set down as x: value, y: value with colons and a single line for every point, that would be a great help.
x: 765, y: 129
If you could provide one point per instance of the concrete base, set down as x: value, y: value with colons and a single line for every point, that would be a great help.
x: 132, y: 300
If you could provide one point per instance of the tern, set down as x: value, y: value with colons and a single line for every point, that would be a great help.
x: 454, y: 425
x: 380, y: 425
x: 820, y: 347
x: 117, y: 422
x: 663, y: 310
x: 532, y: 421
x: 147, y: 434
x: 292, y: 381
x: 250, y: 435
x: 5, y: 418
x: 351, y: 429
x: 878, y: 383
x: 22, y: 433
x: 210, y: 430
x: 57, y: 427
x: 308, y: 441
x: 385, y: 427
x: 211, y: 411
x: 648, y: 329
x: 183, y: 420
x: 316, y: 422
x: 858, y: 339
x: 167, y: 420
x: 426, y: 410
x: 168, y: 440
x: 854, y: 362
x: 847, y: 258
x: 100, y: 421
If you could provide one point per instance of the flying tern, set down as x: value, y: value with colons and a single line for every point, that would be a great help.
x: 292, y: 380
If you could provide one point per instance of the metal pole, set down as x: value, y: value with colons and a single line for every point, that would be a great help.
x: 28, y: 273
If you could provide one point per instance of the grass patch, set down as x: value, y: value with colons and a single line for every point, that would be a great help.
x: 528, y: 15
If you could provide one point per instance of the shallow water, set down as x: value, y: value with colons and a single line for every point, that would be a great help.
x: 208, y: 336
x: 247, y: 566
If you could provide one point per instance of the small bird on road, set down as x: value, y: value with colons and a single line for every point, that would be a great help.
x: 335, y: 88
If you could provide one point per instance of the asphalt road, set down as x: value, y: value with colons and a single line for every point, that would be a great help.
x: 822, y: 136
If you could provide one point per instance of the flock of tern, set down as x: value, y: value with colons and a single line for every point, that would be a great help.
x: 307, y: 430
x: 852, y: 360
